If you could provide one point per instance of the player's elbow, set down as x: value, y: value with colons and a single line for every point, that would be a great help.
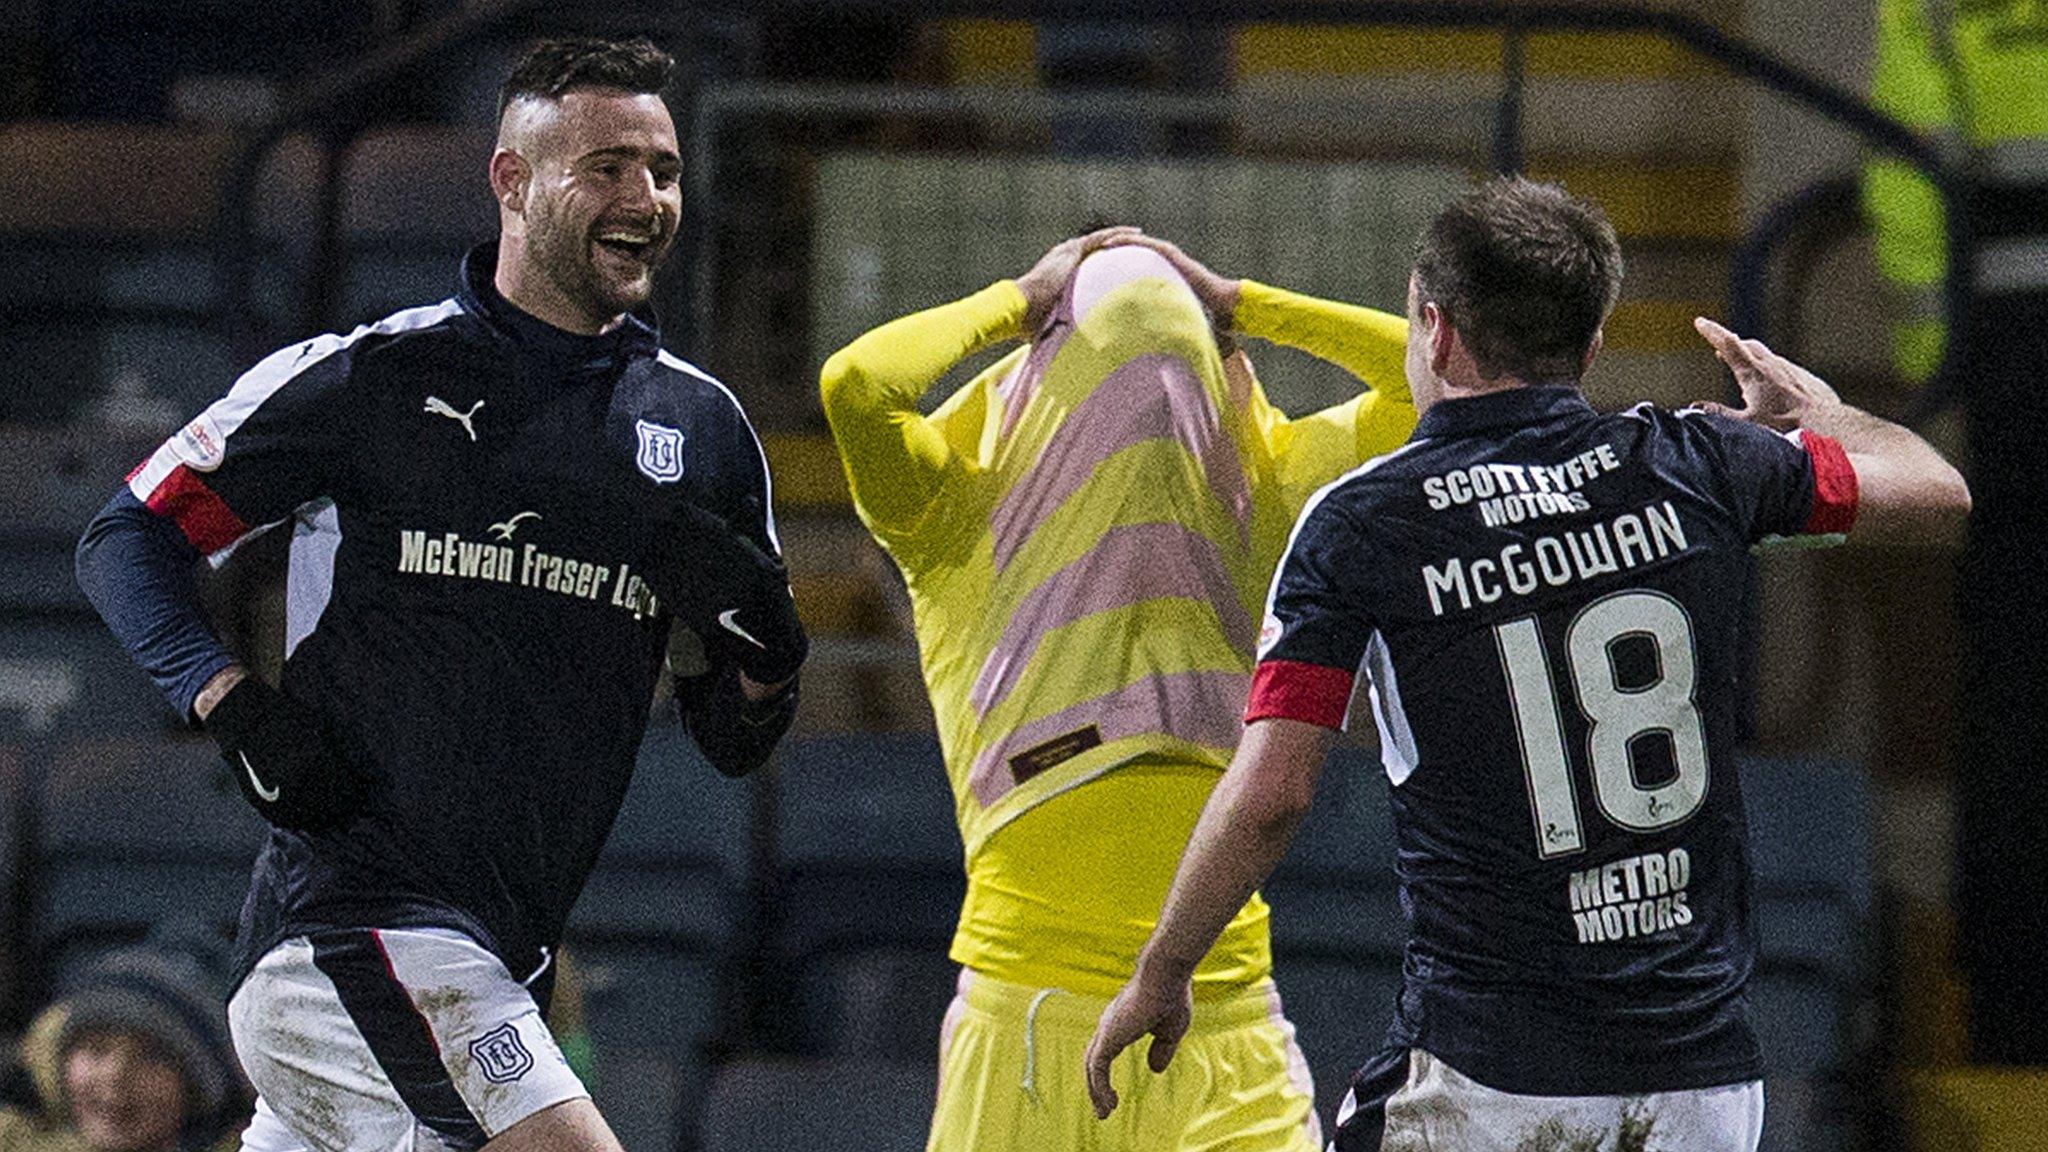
x: 842, y: 382
x: 1953, y: 493
x: 1940, y: 499
x: 94, y: 556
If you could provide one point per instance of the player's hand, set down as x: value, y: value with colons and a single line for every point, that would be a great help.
x: 728, y: 591
x: 1048, y: 278
x: 735, y: 729
x: 1159, y: 1007
x: 280, y: 760
x: 1218, y: 294
x: 1776, y: 393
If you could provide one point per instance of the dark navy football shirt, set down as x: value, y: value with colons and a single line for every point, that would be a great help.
x: 470, y: 494
x: 1547, y: 601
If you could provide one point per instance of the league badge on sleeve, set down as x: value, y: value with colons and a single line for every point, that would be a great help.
x: 661, y: 452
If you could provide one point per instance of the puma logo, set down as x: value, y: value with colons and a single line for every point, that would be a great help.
x: 439, y: 407
x: 504, y: 531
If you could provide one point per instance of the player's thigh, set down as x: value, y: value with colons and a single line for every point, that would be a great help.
x: 571, y: 1126
x: 1241, y: 1088
x: 1009, y: 1086
x: 1433, y: 1105
x: 267, y: 1133
x: 367, y: 1041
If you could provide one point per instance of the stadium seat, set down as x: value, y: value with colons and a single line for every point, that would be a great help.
x: 13, y: 855
x: 413, y: 199
x: 868, y: 886
x: 673, y: 867
x: 1812, y: 996
x: 134, y: 833
x: 1340, y: 1009
x: 112, y: 229
x: 654, y: 936
x: 819, y: 1106
x: 1334, y: 895
x: 50, y: 668
x: 651, y: 1012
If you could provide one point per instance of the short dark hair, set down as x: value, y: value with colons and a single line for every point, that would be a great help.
x: 1525, y: 273
x: 550, y: 68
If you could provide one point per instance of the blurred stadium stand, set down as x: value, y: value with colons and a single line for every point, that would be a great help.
x: 817, y: 1104
x: 657, y: 936
x: 130, y: 833
x: 867, y: 884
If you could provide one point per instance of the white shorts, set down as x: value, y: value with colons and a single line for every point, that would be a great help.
x: 391, y: 1040
x: 1440, y: 1107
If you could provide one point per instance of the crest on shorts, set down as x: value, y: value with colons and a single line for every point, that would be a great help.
x: 501, y: 1054
x: 661, y: 452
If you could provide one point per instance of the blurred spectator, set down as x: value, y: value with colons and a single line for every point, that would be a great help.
x: 133, y: 1057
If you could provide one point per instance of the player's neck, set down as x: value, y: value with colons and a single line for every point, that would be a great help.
x: 1466, y: 386
x: 526, y: 289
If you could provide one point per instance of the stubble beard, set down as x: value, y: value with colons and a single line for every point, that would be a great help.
x: 561, y: 251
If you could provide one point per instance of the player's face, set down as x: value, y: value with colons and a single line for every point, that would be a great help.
x: 605, y: 198
x: 124, y: 1094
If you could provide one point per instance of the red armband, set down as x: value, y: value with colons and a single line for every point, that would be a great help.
x: 183, y: 498
x: 1291, y: 690
x: 1834, y: 486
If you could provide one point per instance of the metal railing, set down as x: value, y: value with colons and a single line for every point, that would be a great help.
x: 325, y: 99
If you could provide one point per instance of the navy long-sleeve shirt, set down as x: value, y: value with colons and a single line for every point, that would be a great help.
x: 470, y: 493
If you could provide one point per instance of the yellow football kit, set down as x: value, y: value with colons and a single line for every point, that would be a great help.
x: 1087, y: 530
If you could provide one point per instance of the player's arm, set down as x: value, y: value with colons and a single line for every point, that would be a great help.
x: 1898, y: 488
x: 896, y: 459
x: 1318, y: 632
x: 1369, y: 344
x: 1243, y: 832
x: 737, y: 644
x: 244, y: 464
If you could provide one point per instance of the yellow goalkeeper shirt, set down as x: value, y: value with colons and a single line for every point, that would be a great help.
x: 1087, y: 530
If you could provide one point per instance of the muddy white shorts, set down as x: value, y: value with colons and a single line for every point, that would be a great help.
x: 1436, y: 1106
x: 391, y: 1040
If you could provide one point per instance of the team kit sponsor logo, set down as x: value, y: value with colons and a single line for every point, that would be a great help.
x: 1512, y: 493
x: 501, y: 560
x: 1631, y: 897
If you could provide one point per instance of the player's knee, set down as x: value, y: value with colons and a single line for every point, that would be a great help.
x: 570, y: 1126
x: 1142, y: 297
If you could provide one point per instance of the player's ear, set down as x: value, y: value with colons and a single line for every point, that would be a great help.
x: 510, y: 176
x: 1593, y: 347
x: 1442, y: 337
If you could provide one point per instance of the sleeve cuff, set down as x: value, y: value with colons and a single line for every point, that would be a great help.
x: 1834, y: 486
x: 1292, y: 690
x: 1002, y: 307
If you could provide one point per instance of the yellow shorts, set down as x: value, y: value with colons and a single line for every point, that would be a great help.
x: 1011, y: 1078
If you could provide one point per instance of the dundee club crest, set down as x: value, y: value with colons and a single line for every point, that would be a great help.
x: 661, y: 452
x: 501, y: 1055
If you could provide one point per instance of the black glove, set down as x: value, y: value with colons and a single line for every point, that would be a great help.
x: 279, y: 758
x: 729, y: 592
x: 734, y: 733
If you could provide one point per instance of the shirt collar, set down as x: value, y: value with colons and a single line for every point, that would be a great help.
x: 638, y: 335
x: 1527, y: 404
